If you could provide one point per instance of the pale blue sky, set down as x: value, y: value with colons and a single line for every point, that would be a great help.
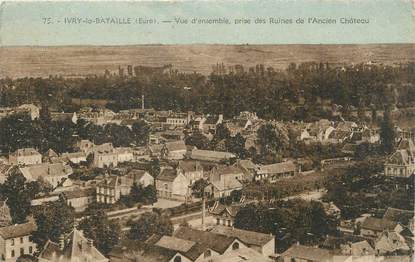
x: 391, y: 21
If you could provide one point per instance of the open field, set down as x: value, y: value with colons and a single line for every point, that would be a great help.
x: 84, y: 60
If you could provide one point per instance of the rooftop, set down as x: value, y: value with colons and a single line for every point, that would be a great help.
x: 77, y: 248
x: 308, y: 253
x: 17, y: 230
x: 248, y: 237
x: 168, y: 174
x: 378, y: 224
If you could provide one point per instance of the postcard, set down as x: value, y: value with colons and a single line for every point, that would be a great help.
x: 207, y: 130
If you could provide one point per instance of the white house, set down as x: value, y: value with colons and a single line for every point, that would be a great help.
x: 15, y: 241
x: 56, y: 174
x: 25, y: 156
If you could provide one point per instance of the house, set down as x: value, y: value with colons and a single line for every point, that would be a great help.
x: 211, y: 156
x: 391, y: 242
x: 209, y: 123
x: 75, y: 157
x: 248, y: 168
x: 223, y: 180
x: 74, y: 247
x: 110, y: 189
x: 245, y: 254
x: 300, y: 253
x: 216, y: 243
x: 5, y: 170
x: 105, y: 158
x: 224, y: 215
x: 401, y: 216
x: 262, y: 243
x: 227, y: 172
x: 31, y: 109
x: 171, y: 184
x: 192, y: 170
x: 178, y: 119
x: 222, y: 188
x: 25, y: 156
x: 155, y: 150
x: 5, y: 218
x: 56, y: 174
x: 85, y: 146
x: 186, y: 245
x: 15, y: 241
x: 331, y: 210
x: 174, y: 150
x: 140, y: 177
x: 124, y: 154
x: 402, y: 162
x: 373, y: 227
x: 79, y: 199
x: 274, y: 172
x: 359, y: 249
x: 50, y: 156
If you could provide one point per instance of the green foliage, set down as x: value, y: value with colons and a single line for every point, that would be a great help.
x: 198, y: 140
x: 148, y: 224
x: 150, y: 194
x: 141, y: 132
x: 103, y: 232
x: 19, y: 194
x: 271, y: 144
x: 236, y: 145
x: 140, y: 194
x: 53, y: 219
x: 269, y: 92
x: 306, y: 221
x: 154, y: 169
x: 362, y: 190
x: 387, y: 134
x: 198, y: 187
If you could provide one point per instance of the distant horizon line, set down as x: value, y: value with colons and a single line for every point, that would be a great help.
x: 201, y: 44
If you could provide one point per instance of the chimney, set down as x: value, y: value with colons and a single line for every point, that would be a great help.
x: 61, y: 242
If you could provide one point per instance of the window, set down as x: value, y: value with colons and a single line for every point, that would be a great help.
x: 235, y: 246
x: 21, y: 240
x: 30, y: 250
x: 207, y: 253
x: 21, y: 251
x: 217, y: 221
x: 12, y: 241
x: 178, y: 259
x: 12, y: 253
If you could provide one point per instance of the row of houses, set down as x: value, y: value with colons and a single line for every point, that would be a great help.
x: 188, y: 244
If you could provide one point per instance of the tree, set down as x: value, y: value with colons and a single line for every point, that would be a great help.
x: 150, y: 223
x: 154, y: 168
x: 269, y: 141
x: 103, y: 232
x: 150, y: 194
x: 198, y: 140
x: 119, y: 135
x: 19, y: 194
x: 141, y: 131
x: 198, y: 187
x: 53, y: 220
x: 387, y: 133
x: 136, y: 193
x: 222, y: 133
x: 236, y: 145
